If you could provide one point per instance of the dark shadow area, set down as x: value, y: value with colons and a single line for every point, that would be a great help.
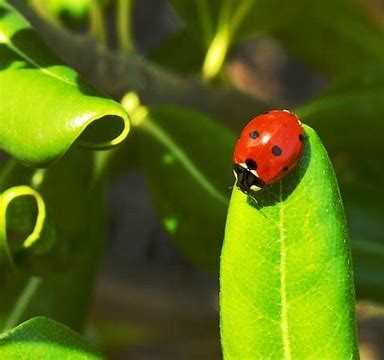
x: 3, y: 11
x: 102, y: 130
x: 7, y: 57
x: 371, y: 336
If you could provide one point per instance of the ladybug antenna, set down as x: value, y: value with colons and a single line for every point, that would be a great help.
x: 253, y: 199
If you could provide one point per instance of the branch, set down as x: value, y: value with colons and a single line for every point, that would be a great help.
x: 117, y: 73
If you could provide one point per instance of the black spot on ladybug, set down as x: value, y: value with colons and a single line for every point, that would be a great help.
x: 254, y: 135
x: 285, y: 168
x: 276, y: 150
x: 265, y: 112
x: 301, y: 137
x: 251, y: 164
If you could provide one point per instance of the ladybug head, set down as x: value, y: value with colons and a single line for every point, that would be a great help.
x: 246, y: 180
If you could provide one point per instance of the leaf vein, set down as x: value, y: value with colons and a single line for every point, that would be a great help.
x: 7, y: 41
x: 283, y: 290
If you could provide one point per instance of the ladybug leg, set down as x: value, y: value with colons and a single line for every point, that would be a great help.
x: 246, y: 181
x: 253, y: 199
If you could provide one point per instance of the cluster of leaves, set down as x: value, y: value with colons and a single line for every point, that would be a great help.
x: 46, y: 103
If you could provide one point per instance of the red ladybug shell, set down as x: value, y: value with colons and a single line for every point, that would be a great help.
x: 270, y: 145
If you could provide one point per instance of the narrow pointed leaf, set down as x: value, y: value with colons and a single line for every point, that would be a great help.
x: 286, y: 277
x: 348, y: 116
x: 303, y: 28
x: 45, y: 107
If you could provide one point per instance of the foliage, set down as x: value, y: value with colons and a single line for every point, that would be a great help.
x: 52, y: 186
x: 44, y: 338
x: 296, y: 268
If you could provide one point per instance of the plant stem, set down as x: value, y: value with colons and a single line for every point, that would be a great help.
x: 97, y: 24
x: 240, y: 13
x: 216, y: 54
x: 22, y: 302
x: 205, y: 20
x: 227, y: 26
x: 161, y: 85
x: 163, y: 138
x: 6, y: 170
x: 38, y: 178
x: 125, y: 24
x: 219, y: 46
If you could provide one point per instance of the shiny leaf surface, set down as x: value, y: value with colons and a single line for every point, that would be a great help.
x: 348, y: 116
x: 286, y: 277
x: 45, y: 107
x: 43, y: 338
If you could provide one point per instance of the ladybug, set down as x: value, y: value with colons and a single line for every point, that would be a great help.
x: 270, y: 145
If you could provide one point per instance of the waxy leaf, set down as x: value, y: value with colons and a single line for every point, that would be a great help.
x: 186, y: 158
x: 45, y: 107
x: 349, y: 117
x: 43, y: 338
x: 286, y: 277
x: 333, y: 46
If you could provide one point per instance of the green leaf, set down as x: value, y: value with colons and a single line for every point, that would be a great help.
x: 75, y: 8
x: 333, y: 36
x: 348, y: 116
x: 188, y: 57
x: 68, y: 270
x: 43, y: 338
x: 187, y: 158
x: 24, y: 229
x: 245, y: 17
x: 80, y: 219
x: 303, y: 28
x: 45, y: 107
x: 286, y: 278
x: 216, y: 25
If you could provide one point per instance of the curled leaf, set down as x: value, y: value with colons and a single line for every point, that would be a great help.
x: 23, y: 225
x: 45, y: 107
